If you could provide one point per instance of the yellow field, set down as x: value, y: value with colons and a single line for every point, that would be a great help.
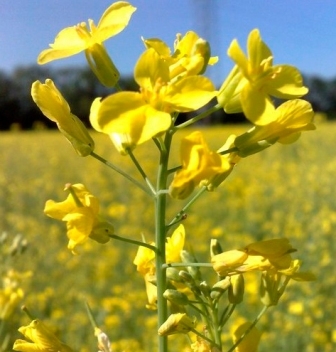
x: 285, y: 191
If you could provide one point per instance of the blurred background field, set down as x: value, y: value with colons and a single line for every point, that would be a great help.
x: 285, y: 191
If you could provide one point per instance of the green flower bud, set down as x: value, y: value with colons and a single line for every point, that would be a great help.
x: 176, y: 297
x: 173, y: 274
x: 194, y: 271
x: 236, y: 289
x: 215, y: 247
x: 219, y: 288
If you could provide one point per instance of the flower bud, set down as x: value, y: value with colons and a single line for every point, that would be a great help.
x: 101, y: 232
x: 269, y: 295
x: 194, y: 271
x: 178, y: 323
x: 215, y: 247
x: 219, y: 288
x: 236, y: 289
x: 102, y: 65
x: 176, y: 297
x: 173, y: 274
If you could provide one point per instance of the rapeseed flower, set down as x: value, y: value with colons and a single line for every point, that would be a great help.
x: 178, y: 323
x: 260, y: 80
x: 52, y: 104
x: 81, y: 213
x: 250, y: 342
x: 285, y: 126
x: 41, y: 339
x: 199, y: 165
x: 73, y: 40
x: 132, y: 118
x: 145, y: 262
x: 191, y: 54
x: 271, y: 254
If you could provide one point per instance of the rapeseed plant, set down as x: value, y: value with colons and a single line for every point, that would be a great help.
x: 200, y: 304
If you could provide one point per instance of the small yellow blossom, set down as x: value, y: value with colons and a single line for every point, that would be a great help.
x: 41, y: 339
x: 175, y: 244
x: 73, y: 40
x: 52, y: 104
x: 145, y: 262
x: 178, y: 323
x: 262, y: 255
x: 10, y: 297
x: 284, y: 126
x: 261, y: 79
x: 139, y: 116
x: 250, y: 342
x: 199, y: 164
x: 80, y: 211
x: 191, y: 54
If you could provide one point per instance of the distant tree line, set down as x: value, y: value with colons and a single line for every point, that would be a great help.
x: 80, y: 87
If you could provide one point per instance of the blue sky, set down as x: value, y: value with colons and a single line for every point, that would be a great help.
x: 299, y: 32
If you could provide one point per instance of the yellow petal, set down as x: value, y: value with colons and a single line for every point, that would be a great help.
x: 127, y: 113
x: 251, y: 340
x: 175, y: 244
x: 158, y: 45
x: 114, y: 20
x: 287, y: 83
x: 238, y: 56
x: 67, y: 43
x: 257, y: 50
x: 151, y: 69
x: 257, y: 106
x: 189, y: 93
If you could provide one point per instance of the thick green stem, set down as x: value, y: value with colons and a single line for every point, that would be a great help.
x: 160, y: 238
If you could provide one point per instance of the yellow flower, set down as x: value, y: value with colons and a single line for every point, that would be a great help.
x: 199, y: 164
x: 41, y: 339
x: 261, y: 79
x: 284, y: 126
x: 175, y: 244
x: 145, y: 257
x: 263, y: 255
x: 178, y: 323
x: 191, y: 54
x: 10, y: 298
x: 138, y: 117
x: 52, y: 104
x: 250, y: 342
x: 72, y: 40
x: 80, y: 211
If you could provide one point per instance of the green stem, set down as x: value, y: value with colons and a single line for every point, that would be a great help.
x: 121, y: 172
x: 199, y: 117
x: 138, y: 243
x: 263, y: 311
x: 182, y: 214
x: 178, y: 265
x: 142, y: 172
x: 160, y: 238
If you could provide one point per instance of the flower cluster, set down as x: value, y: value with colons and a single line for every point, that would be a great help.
x: 171, y: 82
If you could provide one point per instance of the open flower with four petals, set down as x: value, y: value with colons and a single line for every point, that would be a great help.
x: 81, y: 213
x: 132, y: 118
x: 260, y: 80
x: 285, y: 125
x: 73, y: 40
